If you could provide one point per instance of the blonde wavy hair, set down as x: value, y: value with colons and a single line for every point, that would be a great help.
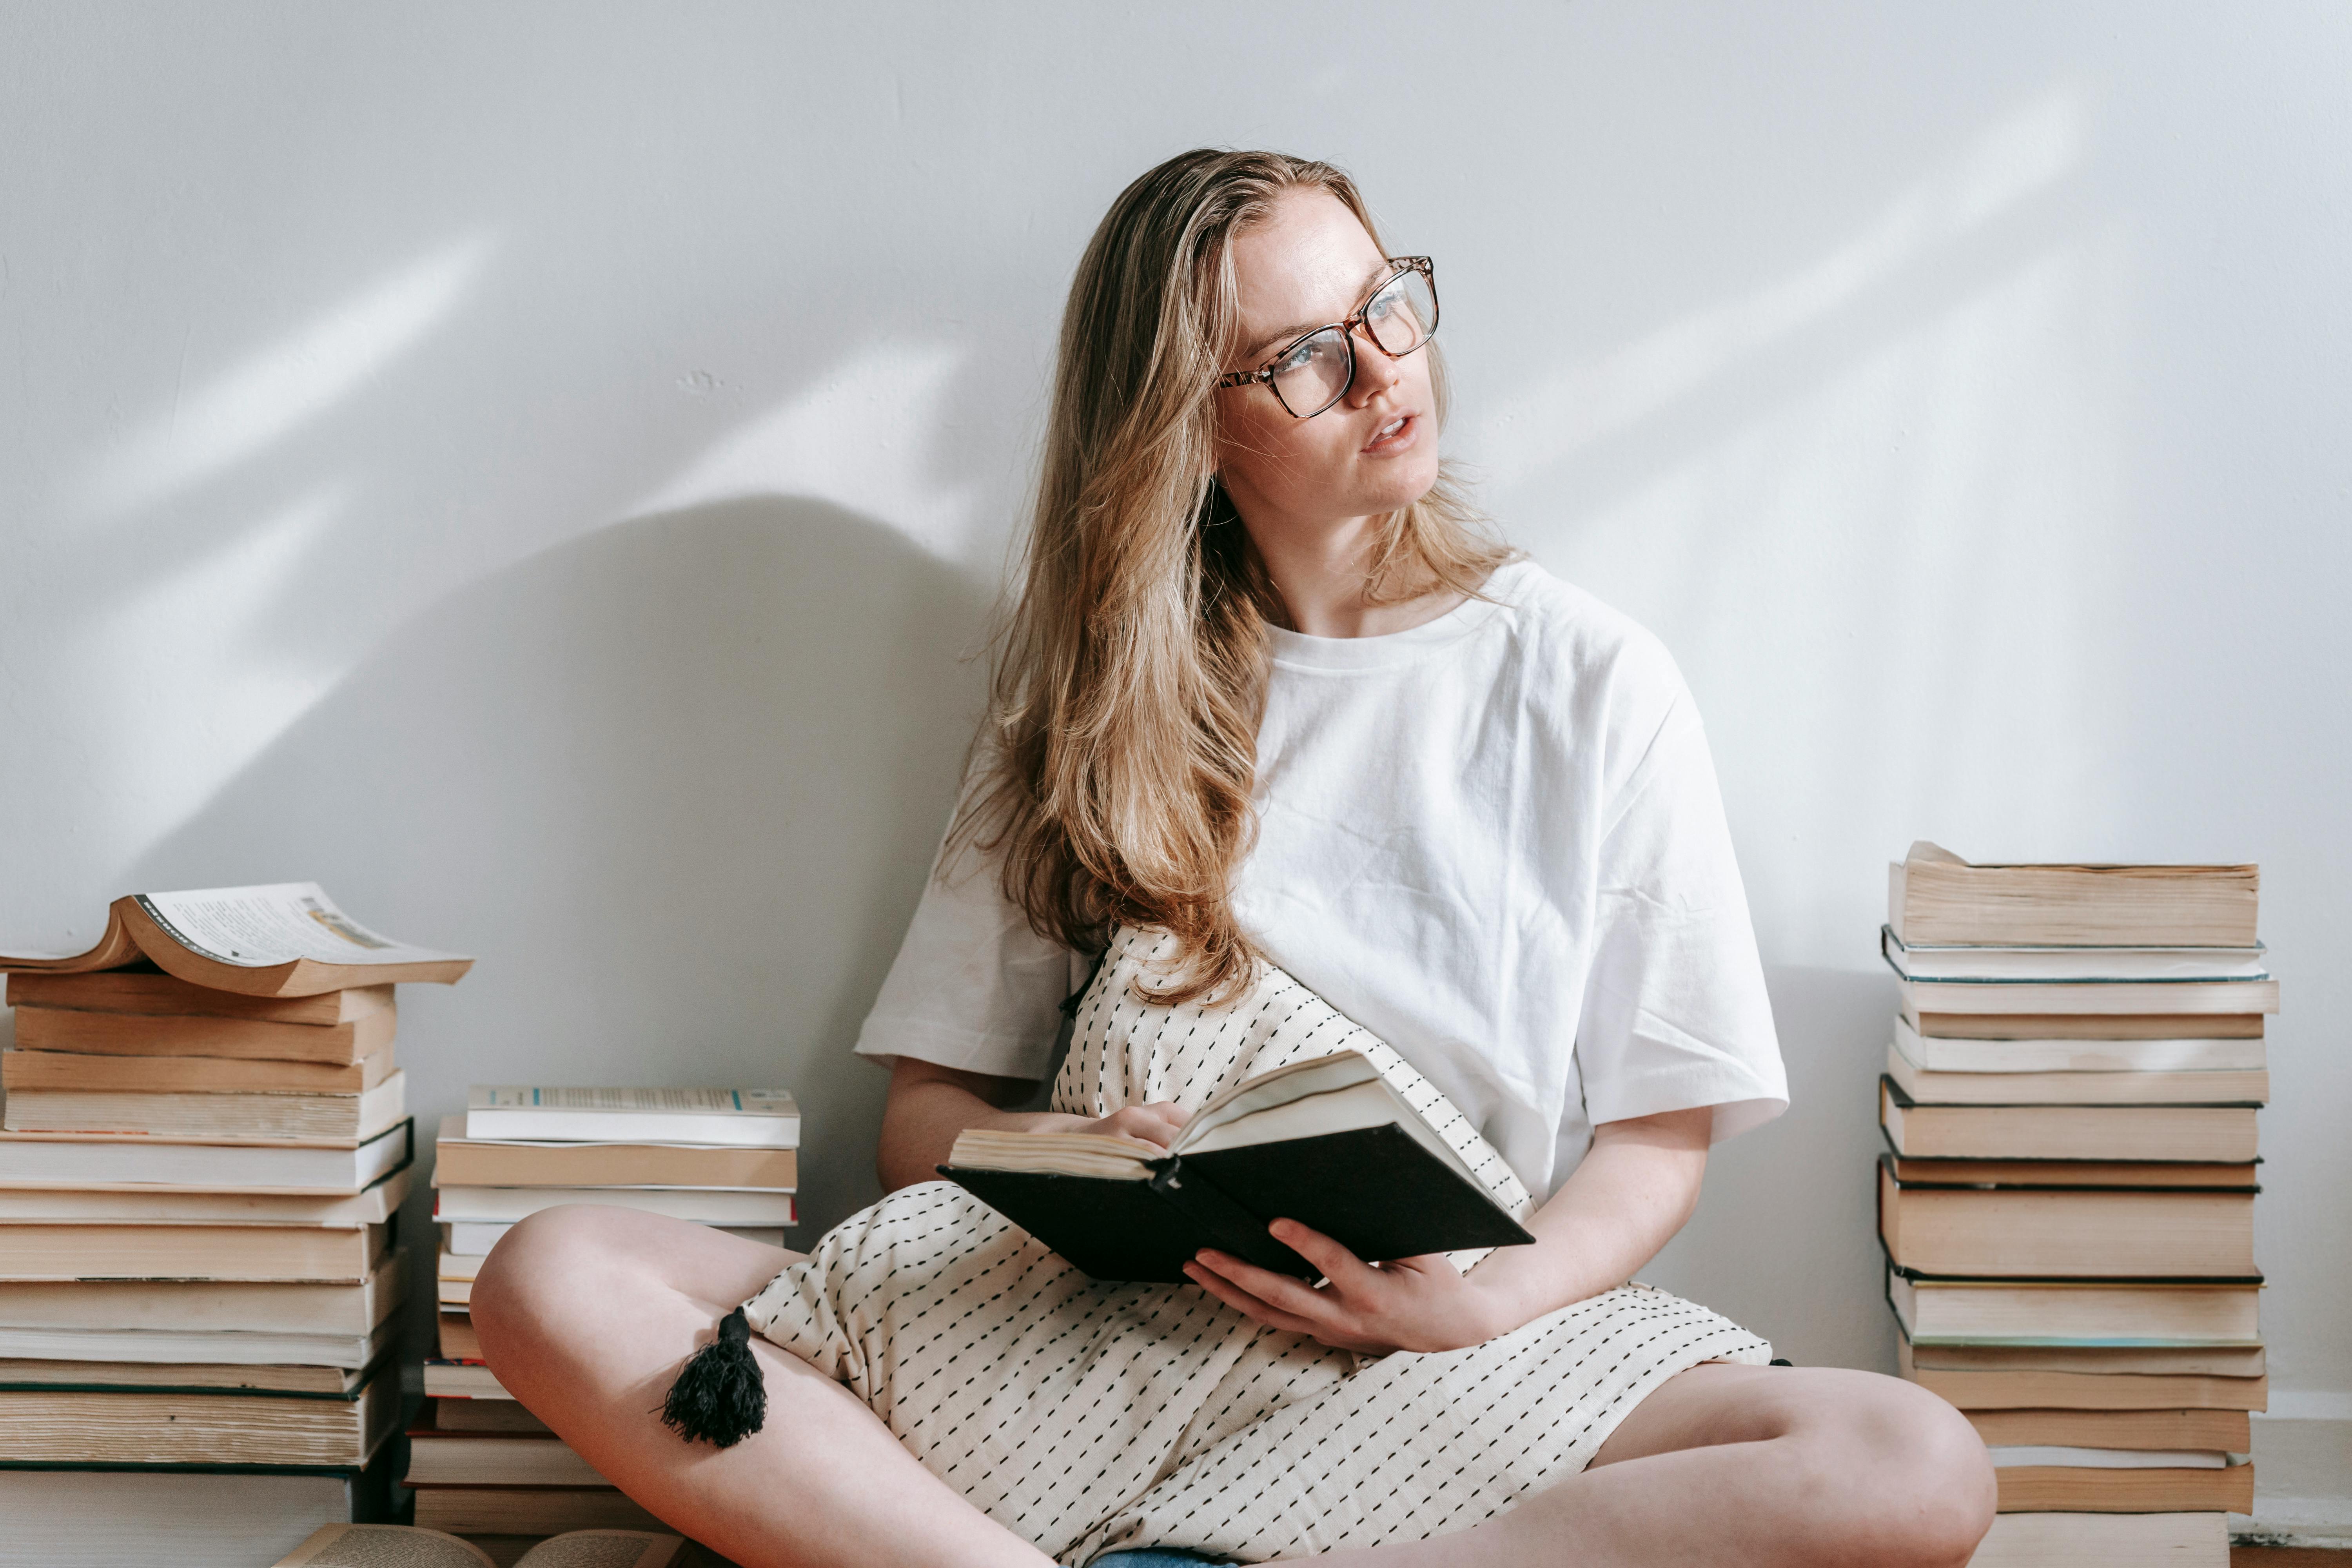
x: 1114, y: 770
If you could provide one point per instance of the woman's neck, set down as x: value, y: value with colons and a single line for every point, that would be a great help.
x: 1324, y: 575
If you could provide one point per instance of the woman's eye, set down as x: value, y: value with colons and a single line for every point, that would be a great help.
x: 1296, y: 358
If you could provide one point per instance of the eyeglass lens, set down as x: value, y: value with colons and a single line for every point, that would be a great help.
x: 1316, y: 371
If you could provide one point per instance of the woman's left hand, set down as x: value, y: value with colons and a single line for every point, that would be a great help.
x: 1410, y: 1304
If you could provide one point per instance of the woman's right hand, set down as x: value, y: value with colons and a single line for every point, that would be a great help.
x: 929, y: 1105
x: 1156, y: 1123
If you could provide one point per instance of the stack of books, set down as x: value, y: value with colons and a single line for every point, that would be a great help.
x: 2066, y: 1197
x: 203, y: 1147
x: 480, y: 1464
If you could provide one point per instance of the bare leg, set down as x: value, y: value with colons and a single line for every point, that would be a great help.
x: 586, y: 1313
x: 1773, y: 1466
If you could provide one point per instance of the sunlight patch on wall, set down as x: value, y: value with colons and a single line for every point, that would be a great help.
x: 250, y: 405
x: 861, y: 437
x: 2025, y: 153
x: 1944, y: 510
x: 194, y: 691
x: 1887, y: 560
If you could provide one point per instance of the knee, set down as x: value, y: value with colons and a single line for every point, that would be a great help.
x: 1929, y: 1474
x: 545, y: 1260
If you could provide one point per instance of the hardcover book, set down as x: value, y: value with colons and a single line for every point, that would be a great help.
x: 1976, y: 961
x: 2192, y: 1134
x: 1327, y: 1142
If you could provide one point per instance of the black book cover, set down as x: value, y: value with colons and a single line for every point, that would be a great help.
x: 1375, y: 1190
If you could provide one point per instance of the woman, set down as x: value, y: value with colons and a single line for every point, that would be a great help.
x: 1280, y: 730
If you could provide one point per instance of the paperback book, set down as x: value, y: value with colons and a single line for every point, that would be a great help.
x: 407, y: 1546
x: 739, y: 1118
x: 1934, y: 897
x: 284, y: 939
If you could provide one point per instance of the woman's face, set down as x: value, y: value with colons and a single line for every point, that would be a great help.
x: 1308, y: 265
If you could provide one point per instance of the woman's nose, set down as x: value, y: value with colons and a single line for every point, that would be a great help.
x: 1376, y: 373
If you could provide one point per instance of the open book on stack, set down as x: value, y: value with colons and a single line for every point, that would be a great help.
x: 2067, y: 1190
x: 478, y: 1462
x: 205, y: 1151
x: 1327, y: 1142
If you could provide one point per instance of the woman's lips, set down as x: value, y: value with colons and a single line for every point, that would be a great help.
x: 1394, y: 436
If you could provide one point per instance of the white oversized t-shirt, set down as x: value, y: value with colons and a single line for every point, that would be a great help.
x: 1495, y: 840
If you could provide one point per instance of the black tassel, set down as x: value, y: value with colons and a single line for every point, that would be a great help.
x: 719, y: 1396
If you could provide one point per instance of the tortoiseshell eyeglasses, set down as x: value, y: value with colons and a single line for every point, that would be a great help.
x: 1314, y: 371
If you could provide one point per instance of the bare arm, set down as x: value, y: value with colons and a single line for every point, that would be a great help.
x: 1635, y: 1188
x: 1637, y: 1184
x: 929, y: 1104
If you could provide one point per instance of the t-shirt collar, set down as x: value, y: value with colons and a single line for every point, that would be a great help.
x: 1297, y: 650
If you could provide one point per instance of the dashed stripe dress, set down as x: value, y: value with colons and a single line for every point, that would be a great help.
x: 1088, y: 1417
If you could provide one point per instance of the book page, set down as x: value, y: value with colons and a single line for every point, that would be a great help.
x: 1343, y: 1109
x: 604, y: 1549
x: 254, y: 928
x: 1062, y: 1153
x: 383, y: 1546
x: 695, y: 1101
x: 114, y: 949
x: 1337, y: 1093
x: 1318, y: 1075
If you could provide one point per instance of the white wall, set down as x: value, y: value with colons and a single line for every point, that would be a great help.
x: 534, y: 468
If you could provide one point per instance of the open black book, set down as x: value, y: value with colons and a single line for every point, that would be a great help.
x: 1327, y: 1142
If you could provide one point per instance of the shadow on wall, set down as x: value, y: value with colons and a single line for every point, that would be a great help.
x: 677, y: 784
x: 1785, y: 1241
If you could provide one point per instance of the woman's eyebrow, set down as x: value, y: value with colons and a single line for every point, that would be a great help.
x: 1285, y: 334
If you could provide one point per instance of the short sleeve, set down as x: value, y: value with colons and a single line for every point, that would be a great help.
x: 1676, y: 1014
x: 972, y: 986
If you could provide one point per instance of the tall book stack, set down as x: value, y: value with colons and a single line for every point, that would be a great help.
x: 2066, y: 1197
x: 478, y: 1463
x: 203, y: 1147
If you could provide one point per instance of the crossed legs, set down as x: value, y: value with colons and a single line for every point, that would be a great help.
x: 1790, y: 1467
x: 587, y: 1312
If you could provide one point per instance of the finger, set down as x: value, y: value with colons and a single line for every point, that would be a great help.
x: 1333, y: 1335
x: 1242, y: 1302
x: 1137, y: 1122
x: 1340, y: 1265
x: 1281, y: 1291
